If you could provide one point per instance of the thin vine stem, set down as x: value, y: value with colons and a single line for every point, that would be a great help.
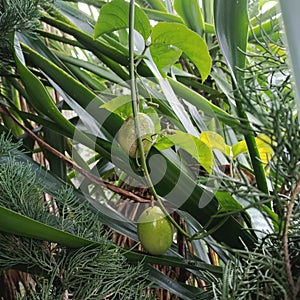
x: 135, y: 110
x: 285, y: 241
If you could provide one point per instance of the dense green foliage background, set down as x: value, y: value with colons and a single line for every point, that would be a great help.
x: 224, y: 161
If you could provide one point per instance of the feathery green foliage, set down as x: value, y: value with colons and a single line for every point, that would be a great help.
x: 237, y: 237
x: 85, y: 273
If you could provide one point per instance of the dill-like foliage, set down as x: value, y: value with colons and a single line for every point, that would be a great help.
x: 16, y: 16
x: 92, y: 272
x: 272, y: 270
x: 7, y: 144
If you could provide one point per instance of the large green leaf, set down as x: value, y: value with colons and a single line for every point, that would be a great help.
x: 157, y: 4
x: 39, y: 97
x: 203, y: 104
x: 115, y: 15
x: 165, y: 55
x: 231, y: 25
x: 184, y: 39
x: 191, y: 13
x: 18, y: 224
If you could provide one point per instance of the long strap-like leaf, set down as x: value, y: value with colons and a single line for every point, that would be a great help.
x: 231, y: 24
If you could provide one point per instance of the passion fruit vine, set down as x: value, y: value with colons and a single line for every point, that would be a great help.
x: 127, y: 137
x: 154, y: 230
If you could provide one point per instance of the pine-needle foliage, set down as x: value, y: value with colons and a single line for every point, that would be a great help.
x: 16, y: 16
x: 26, y: 195
x: 7, y: 144
x: 272, y: 270
x: 256, y: 275
x: 91, y: 272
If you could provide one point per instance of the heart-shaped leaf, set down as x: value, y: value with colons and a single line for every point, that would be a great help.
x: 115, y: 15
x: 183, y: 38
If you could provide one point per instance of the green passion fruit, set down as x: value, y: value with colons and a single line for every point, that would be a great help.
x: 127, y: 137
x: 155, y: 231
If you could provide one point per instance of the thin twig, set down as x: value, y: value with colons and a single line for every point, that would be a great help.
x: 297, y: 287
x: 285, y: 240
x: 85, y: 173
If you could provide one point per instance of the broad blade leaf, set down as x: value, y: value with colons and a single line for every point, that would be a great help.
x: 18, y: 224
x: 39, y: 97
x: 190, y: 12
x: 264, y: 147
x: 231, y: 24
x: 239, y: 148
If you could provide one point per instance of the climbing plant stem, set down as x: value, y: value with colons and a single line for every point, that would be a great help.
x: 135, y: 110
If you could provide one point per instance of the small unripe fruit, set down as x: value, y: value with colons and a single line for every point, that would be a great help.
x: 155, y: 232
x: 127, y: 137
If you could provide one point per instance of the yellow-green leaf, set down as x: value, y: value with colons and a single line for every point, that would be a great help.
x: 264, y: 146
x: 227, y: 202
x: 265, y: 149
x: 215, y: 141
x: 191, y: 144
x: 238, y: 148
